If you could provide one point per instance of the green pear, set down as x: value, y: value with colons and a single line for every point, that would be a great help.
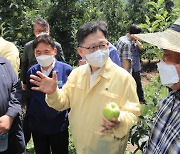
x: 111, y: 110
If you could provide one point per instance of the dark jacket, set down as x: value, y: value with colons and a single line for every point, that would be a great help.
x: 10, y: 98
x: 28, y: 59
x: 43, y: 118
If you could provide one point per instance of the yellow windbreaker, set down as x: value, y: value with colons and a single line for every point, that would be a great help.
x: 9, y: 51
x: 114, y: 84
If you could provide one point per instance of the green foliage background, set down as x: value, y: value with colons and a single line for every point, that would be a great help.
x: 66, y: 16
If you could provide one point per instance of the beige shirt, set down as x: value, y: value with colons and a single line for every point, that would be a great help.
x: 113, y: 84
x: 9, y: 51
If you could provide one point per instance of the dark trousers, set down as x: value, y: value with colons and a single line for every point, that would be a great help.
x: 26, y: 129
x: 137, y: 78
x: 26, y: 101
x: 55, y: 143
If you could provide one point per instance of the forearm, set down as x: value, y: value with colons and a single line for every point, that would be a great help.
x: 129, y: 111
x: 127, y: 64
x: 15, y: 101
x: 140, y: 46
x: 58, y: 100
x: 127, y: 120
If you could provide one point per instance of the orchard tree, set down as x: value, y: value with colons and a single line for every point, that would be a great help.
x: 16, y: 18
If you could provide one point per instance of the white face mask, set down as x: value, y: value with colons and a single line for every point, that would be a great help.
x: 97, y: 58
x: 45, y: 60
x: 168, y: 73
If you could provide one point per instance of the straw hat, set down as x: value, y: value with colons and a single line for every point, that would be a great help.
x: 168, y: 39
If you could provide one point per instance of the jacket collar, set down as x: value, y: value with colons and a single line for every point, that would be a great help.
x: 106, y: 71
x: 56, y: 67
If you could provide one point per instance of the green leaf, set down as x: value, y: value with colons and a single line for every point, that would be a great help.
x: 144, y: 26
x: 147, y: 20
x: 153, y: 4
x: 156, y: 22
x: 158, y: 16
x: 144, y: 109
x: 160, y: 2
x: 165, y: 14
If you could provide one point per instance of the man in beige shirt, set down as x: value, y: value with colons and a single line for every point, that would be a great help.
x: 87, y: 91
x: 9, y: 51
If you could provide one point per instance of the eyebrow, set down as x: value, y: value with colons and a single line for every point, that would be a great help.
x: 94, y: 44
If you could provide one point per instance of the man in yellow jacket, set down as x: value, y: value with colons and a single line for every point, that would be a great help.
x: 9, y: 51
x: 88, y: 89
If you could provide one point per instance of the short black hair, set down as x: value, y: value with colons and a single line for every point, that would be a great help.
x: 134, y: 29
x: 42, y: 22
x: 91, y: 27
x: 43, y: 38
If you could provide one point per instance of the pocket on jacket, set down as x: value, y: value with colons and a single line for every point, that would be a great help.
x: 107, y: 143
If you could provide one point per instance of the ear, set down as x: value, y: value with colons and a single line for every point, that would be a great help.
x: 48, y: 31
x: 55, y: 51
x: 80, y: 52
x: 35, y: 53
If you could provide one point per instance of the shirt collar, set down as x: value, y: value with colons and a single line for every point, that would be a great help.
x: 49, y: 69
x: 105, y: 72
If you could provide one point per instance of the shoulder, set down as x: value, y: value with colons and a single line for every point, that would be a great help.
x: 112, y: 47
x: 124, y: 39
x: 57, y: 44
x: 33, y: 69
x: 9, y: 46
x: 79, y: 71
x: 29, y: 43
x: 64, y: 65
x: 119, y: 72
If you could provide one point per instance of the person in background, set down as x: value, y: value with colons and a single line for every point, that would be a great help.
x: 49, y: 127
x: 9, y: 51
x: 165, y: 133
x: 28, y: 59
x: 88, y: 90
x: 113, y: 53
x: 129, y: 48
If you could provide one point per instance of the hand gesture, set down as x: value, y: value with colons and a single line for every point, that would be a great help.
x: 108, y: 125
x: 44, y: 84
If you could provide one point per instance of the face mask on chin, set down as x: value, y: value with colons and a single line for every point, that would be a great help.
x: 98, y: 58
x: 45, y: 60
x: 168, y: 74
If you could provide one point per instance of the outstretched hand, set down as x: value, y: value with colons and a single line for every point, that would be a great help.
x: 44, y: 84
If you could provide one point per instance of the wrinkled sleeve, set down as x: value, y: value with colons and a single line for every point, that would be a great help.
x: 15, y: 96
x: 129, y: 111
x: 60, y: 99
x: 11, y: 53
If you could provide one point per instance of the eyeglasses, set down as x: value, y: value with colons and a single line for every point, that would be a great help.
x: 94, y: 48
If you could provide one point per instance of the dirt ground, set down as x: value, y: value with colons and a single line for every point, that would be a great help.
x: 149, y: 71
